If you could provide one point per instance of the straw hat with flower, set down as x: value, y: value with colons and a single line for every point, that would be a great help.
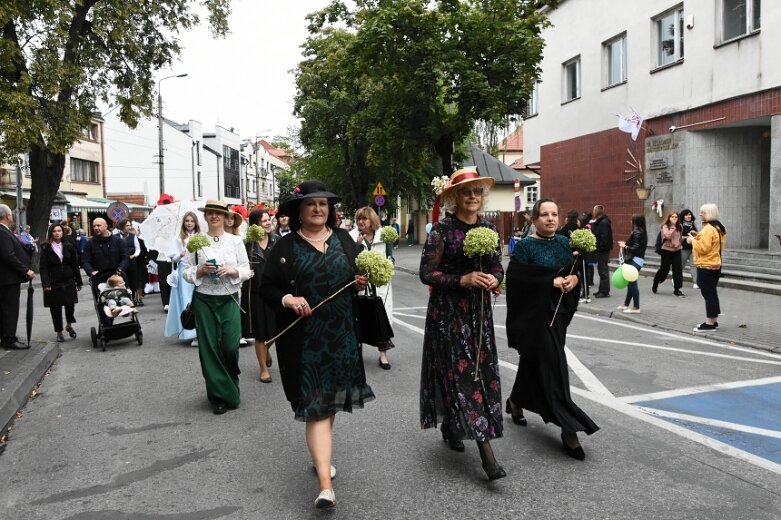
x: 446, y: 188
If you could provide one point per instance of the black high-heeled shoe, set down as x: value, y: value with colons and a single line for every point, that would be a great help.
x: 517, y: 419
x: 452, y: 442
x: 576, y: 452
x: 492, y: 468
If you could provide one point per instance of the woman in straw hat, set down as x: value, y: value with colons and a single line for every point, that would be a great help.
x: 217, y: 272
x: 319, y: 360
x: 469, y: 407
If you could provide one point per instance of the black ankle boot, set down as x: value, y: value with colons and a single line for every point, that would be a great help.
x: 492, y: 468
x: 455, y: 444
x: 518, y: 419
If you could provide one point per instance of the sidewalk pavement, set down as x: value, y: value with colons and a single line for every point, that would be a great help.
x: 750, y: 319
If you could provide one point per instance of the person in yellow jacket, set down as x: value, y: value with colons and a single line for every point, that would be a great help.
x: 708, y: 245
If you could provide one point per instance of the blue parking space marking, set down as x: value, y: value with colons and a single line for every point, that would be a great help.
x: 755, y: 406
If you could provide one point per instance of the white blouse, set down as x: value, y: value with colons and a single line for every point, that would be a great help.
x: 230, y: 251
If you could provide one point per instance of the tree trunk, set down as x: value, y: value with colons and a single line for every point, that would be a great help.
x: 46, y: 170
x: 444, y: 148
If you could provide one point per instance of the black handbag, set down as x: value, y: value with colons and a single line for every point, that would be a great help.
x: 374, y: 325
x: 188, y: 317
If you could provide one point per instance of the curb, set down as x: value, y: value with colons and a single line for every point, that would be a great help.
x: 629, y: 318
x: 716, y: 337
x: 16, y: 387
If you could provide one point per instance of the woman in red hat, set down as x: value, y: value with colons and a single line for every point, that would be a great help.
x: 467, y: 408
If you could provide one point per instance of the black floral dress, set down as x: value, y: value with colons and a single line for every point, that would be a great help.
x: 472, y: 409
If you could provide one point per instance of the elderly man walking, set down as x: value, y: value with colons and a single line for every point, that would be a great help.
x: 14, y: 270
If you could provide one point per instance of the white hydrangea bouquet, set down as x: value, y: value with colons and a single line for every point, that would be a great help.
x: 480, y: 241
x: 377, y: 269
x: 389, y: 235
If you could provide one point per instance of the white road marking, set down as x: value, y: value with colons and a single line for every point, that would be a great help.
x: 585, y: 375
x: 610, y: 401
x: 674, y: 349
x: 775, y: 434
x: 679, y: 336
x: 655, y: 396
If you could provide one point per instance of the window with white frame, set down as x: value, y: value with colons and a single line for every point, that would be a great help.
x: 668, y: 30
x: 571, y: 79
x: 84, y: 171
x: 90, y: 132
x: 532, y: 103
x: 739, y: 17
x: 614, y: 60
x: 532, y: 194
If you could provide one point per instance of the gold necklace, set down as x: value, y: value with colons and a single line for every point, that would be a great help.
x: 315, y: 240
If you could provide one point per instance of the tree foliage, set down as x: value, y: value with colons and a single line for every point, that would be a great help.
x: 390, y: 87
x: 58, y: 58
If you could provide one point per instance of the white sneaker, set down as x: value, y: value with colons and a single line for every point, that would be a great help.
x: 622, y: 307
x: 696, y: 286
x: 325, y: 499
x: 165, y: 308
x: 194, y: 343
x: 631, y: 310
x: 242, y: 342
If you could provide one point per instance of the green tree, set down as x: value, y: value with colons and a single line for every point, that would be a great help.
x: 58, y: 58
x: 414, y: 75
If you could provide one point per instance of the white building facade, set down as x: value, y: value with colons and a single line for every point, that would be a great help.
x: 702, y: 74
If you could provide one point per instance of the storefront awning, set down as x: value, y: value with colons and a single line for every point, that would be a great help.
x: 76, y: 203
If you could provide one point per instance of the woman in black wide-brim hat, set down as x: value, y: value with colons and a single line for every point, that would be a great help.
x: 319, y: 359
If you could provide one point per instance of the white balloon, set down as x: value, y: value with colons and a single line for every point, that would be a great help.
x: 630, y: 272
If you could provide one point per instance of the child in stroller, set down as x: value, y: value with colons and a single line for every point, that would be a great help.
x: 116, y: 298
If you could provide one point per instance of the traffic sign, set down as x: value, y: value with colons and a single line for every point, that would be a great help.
x: 379, y: 200
x: 379, y: 190
x: 116, y: 211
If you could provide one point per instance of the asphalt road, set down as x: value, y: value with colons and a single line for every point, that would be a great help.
x: 690, y: 429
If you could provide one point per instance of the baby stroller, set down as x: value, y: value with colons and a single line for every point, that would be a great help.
x: 107, y: 329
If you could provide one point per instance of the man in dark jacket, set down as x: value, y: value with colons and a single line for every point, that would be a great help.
x: 105, y: 253
x: 603, y: 231
x: 14, y: 270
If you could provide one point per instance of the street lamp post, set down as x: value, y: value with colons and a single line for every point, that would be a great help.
x: 160, y: 152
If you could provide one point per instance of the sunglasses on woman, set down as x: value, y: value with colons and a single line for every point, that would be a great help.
x: 468, y: 192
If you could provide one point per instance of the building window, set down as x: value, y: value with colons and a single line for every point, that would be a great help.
x: 571, y: 79
x: 232, y: 174
x: 738, y: 18
x: 532, y: 104
x: 614, y: 59
x: 90, y: 133
x: 531, y: 195
x: 198, y: 153
x: 200, y: 191
x: 668, y: 29
x: 84, y: 171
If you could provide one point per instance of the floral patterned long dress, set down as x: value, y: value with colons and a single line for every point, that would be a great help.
x: 448, y: 390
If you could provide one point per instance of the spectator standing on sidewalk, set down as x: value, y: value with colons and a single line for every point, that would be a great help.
x: 687, y: 226
x: 60, y: 279
x: 14, y: 270
x: 708, y: 245
x: 590, y: 259
x: 634, y: 255
x: 671, y: 254
x: 603, y: 230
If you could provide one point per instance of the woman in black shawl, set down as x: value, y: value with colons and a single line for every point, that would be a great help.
x: 540, y: 275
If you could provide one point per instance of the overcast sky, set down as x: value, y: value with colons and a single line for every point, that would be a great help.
x: 243, y: 81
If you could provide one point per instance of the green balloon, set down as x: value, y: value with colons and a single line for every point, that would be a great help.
x: 619, y: 282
